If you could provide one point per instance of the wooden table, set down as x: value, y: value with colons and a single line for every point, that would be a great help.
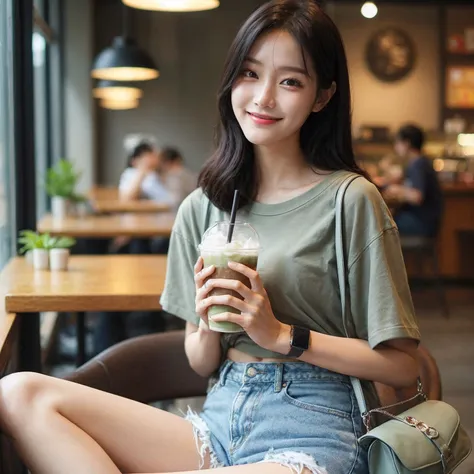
x: 456, y: 252
x: 92, y: 283
x: 103, y: 193
x: 115, y: 206
x: 110, y: 226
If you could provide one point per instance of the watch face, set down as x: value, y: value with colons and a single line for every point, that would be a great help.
x: 390, y: 54
x: 300, y: 338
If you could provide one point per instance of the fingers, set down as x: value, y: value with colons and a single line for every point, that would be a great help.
x: 201, y: 274
x: 224, y: 300
x: 240, y: 319
x: 251, y: 274
x: 234, y: 285
x: 199, y: 265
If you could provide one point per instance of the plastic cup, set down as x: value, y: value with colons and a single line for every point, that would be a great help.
x: 215, y: 250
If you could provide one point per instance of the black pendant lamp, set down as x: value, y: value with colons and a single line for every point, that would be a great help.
x: 124, y: 60
x: 173, y: 5
x: 117, y: 90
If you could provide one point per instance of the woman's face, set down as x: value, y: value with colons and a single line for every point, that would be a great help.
x: 274, y: 94
x: 149, y: 161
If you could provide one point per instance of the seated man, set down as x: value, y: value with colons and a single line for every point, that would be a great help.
x: 419, y: 199
x: 178, y: 180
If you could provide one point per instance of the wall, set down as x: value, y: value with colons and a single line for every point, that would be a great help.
x: 416, y: 97
x: 179, y: 108
x: 79, y: 108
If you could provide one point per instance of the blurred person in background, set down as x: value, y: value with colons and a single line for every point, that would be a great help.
x: 419, y: 199
x: 141, y: 180
x: 178, y: 180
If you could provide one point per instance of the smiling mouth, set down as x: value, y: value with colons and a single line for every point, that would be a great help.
x: 263, y: 119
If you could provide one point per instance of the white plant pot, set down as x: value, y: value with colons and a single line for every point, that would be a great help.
x: 59, y: 207
x: 58, y: 259
x: 40, y: 259
x: 29, y: 257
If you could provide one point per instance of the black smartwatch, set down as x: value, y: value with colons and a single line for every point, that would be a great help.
x: 299, y: 341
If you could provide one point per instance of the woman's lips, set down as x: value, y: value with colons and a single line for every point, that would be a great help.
x: 263, y: 119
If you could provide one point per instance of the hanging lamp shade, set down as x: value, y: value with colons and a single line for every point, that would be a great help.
x: 173, y: 5
x: 124, y: 61
x: 117, y: 90
x: 119, y: 104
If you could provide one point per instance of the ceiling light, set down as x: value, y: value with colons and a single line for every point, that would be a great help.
x: 116, y: 90
x: 369, y: 10
x: 173, y: 5
x: 119, y: 104
x: 124, y: 61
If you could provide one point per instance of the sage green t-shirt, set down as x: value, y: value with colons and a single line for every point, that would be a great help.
x: 297, y: 263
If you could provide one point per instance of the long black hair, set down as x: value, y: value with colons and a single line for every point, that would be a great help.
x: 325, y: 137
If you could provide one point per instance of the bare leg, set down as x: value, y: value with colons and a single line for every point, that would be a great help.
x: 59, y: 427
x: 263, y: 468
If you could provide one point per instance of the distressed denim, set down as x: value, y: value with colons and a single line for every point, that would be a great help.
x: 294, y: 414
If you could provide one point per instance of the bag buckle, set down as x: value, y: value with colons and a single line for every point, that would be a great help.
x: 427, y: 430
x: 446, y: 453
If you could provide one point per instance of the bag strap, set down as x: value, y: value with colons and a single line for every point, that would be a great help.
x: 342, y: 277
x: 346, y: 312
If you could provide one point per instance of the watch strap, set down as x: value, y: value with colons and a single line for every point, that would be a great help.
x: 299, y: 341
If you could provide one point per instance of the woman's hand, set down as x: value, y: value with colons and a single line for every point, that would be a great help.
x: 200, y: 276
x: 256, y: 318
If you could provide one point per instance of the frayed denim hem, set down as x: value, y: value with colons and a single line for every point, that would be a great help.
x: 295, y: 461
x: 202, y: 436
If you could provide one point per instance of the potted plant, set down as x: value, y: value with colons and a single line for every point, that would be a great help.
x: 36, y: 248
x: 60, y: 184
x: 59, y: 251
x: 78, y: 204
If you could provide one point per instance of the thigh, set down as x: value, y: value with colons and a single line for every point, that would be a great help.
x: 318, y: 419
x: 137, y: 437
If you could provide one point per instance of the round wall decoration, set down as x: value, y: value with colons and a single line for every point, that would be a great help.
x: 390, y: 54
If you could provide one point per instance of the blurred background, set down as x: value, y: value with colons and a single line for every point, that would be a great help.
x: 83, y: 83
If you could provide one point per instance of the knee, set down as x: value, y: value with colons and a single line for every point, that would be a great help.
x: 20, y: 393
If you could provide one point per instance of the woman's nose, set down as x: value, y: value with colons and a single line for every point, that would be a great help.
x: 265, y: 97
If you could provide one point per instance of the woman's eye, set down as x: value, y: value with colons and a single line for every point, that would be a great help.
x: 292, y: 83
x: 249, y: 73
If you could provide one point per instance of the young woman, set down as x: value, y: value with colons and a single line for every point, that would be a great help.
x: 285, y: 143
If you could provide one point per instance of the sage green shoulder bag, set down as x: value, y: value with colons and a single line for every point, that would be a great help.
x: 426, y: 438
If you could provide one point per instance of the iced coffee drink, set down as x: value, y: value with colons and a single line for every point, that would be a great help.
x: 215, y: 250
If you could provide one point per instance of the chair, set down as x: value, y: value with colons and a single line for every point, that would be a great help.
x: 421, y: 248
x: 155, y: 368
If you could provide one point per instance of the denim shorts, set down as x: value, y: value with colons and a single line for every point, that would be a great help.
x: 294, y: 414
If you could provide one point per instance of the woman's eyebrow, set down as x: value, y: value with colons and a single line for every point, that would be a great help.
x: 296, y: 69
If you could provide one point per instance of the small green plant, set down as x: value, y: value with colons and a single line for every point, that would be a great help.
x: 30, y: 240
x: 61, y: 179
x: 78, y: 198
x: 62, y: 242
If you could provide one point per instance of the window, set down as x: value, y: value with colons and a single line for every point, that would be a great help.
x: 47, y: 75
x: 7, y: 224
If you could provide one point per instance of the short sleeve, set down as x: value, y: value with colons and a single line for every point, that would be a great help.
x: 381, y: 303
x: 125, y: 178
x: 179, y: 294
x: 417, y: 175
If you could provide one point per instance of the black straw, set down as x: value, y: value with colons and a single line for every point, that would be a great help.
x: 233, y: 216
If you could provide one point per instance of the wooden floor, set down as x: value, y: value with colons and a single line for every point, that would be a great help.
x: 452, y: 343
